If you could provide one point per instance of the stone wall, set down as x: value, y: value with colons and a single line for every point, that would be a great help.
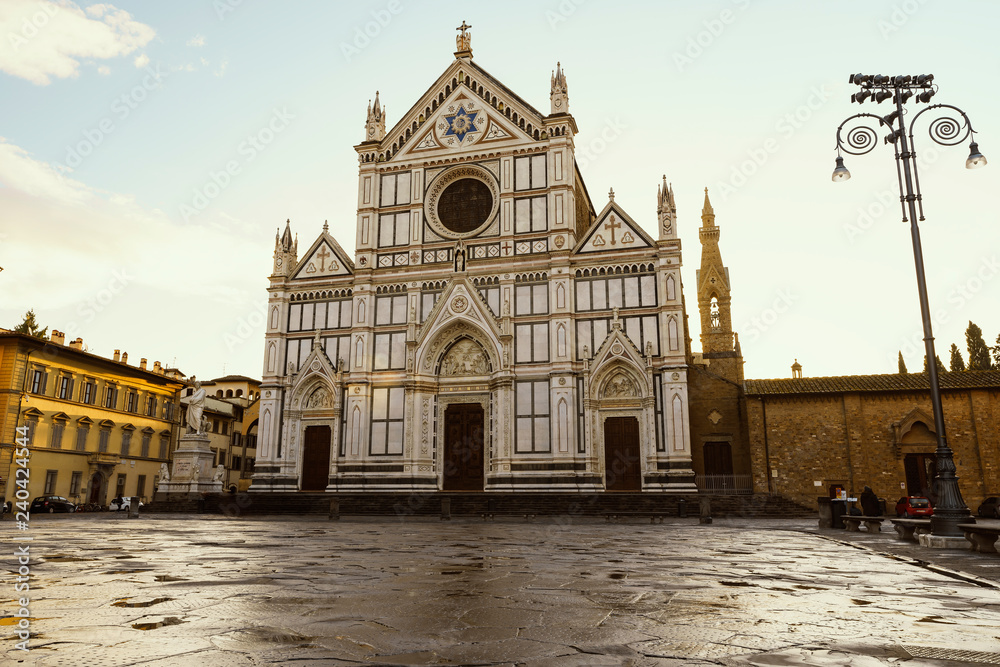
x: 797, y: 440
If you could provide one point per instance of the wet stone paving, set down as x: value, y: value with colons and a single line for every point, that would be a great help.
x: 210, y: 591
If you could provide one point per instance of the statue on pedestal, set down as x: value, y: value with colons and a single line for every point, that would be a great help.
x: 196, y: 407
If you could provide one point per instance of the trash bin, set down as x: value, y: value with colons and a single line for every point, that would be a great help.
x: 838, y: 508
x: 682, y: 508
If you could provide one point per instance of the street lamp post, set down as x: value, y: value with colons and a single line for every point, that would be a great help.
x: 946, y: 130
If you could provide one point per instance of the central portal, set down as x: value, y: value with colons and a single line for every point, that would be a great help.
x: 463, y: 447
x: 621, y: 454
x: 316, y: 458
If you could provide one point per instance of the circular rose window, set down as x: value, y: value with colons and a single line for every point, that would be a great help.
x: 465, y: 205
x: 462, y: 202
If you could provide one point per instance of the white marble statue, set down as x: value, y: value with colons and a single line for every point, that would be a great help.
x: 196, y: 407
x: 164, y: 473
x: 220, y: 471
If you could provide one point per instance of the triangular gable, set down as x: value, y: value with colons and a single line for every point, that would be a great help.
x: 617, y: 349
x: 316, y: 366
x: 461, y: 300
x: 325, y: 258
x: 33, y: 412
x: 711, y: 277
x: 503, y: 111
x: 463, y: 122
x: 614, y: 231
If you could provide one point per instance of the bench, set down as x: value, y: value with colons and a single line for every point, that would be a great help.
x: 654, y: 517
x: 982, y: 536
x: 492, y: 515
x: 908, y: 529
x: 853, y: 523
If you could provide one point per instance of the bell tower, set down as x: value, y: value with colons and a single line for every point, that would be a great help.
x: 375, y: 125
x: 559, y: 94
x: 719, y: 344
x: 666, y: 211
x: 286, y: 251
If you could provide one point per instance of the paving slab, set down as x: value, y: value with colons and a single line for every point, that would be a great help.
x: 198, y: 590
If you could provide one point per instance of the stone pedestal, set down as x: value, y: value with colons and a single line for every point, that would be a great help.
x: 942, y: 542
x: 192, y: 472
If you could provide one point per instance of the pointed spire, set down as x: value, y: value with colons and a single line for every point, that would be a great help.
x: 666, y: 210
x: 375, y: 122
x: 708, y: 213
x: 559, y: 94
x: 286, y: 238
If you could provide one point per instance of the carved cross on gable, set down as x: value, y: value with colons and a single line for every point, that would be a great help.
x: 323, y: 254
x: 613, y: 225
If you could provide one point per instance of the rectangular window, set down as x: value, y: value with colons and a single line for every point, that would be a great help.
x: 74, y: 482
x: 643, y: 330
x: 66, y: 387
x: 31, y: 425
x: 87, y: 393
x: 387, y: 420
x: 168, y: 410
x: 57, y: 434
x: 616, y: 292
x: 337, y: 348
x: 390, y: 351
x: 658, y: 394
x: 427, y: 302
x: 492, y: 297
x: 308, y: 314
x: 590, y: 333
x: 531, y: 343
x: 581, y: 446
x: 151, y: 406
x: 531, y: 299
x: 532, y: 399
x: 126, y: 442
x: 50, y: 481
x: 131, y: 401
x: 530, y: 215
x: 393, y: 229
x: 140, y: 486
x: 120, y: 485
x: 390, y: 310
x: 395, y: 189
x: 529, y: 172
x: 111, y: 397
x: 163, y: 447
x: 146, y: 437
x: 81, y: 438
x: 102, y: 443
x: 295, y: 317
x: 38, y: 378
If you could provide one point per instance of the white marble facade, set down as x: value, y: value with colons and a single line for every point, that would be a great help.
x: 494, y: 331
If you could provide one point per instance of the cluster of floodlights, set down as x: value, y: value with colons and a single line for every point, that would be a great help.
x: 879, y: 88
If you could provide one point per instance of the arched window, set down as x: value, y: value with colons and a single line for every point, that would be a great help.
x: 714, y: 313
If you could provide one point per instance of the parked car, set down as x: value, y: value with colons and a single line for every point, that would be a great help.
x: 51, y: 504
x: 121, y: 504
x: 990, y: 508
x: 914, y: 507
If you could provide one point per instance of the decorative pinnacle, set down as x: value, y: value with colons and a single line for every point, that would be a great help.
x: 707, y: 210
x: 326, y: 225
x: 611, y: 194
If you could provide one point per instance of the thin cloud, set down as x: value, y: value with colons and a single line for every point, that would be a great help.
x: 47, y: 39
x: 196, y: 41
x: 141, y: 60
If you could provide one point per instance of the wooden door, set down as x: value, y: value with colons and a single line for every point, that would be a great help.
x: 463, y: 447
x: 718, y: 458
x: 622, y: 465
x: 316, y: 459
x: 921, y: 469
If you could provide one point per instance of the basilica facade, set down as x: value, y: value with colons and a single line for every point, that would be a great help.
x: 494, y: 330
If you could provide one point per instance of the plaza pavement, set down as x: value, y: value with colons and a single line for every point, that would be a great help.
x: 168, y: 590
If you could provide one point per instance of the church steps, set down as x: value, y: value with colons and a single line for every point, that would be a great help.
x: 476, y: 504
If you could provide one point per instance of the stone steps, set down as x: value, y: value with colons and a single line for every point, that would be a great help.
x: 475, y: 504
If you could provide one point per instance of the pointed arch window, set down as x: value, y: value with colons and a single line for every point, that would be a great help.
x: 713, y: 311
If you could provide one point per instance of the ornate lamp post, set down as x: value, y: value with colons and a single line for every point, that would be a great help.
x: 946, y: 130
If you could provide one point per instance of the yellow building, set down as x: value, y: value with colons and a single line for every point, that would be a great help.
x: 97, y: 427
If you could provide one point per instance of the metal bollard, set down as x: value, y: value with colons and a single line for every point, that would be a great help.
x: 682, y: 508
x: 446, y: 509
x: 335, y: 509
x: 705, y: 506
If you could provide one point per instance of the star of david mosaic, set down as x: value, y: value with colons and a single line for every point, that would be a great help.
x: 461, y: 124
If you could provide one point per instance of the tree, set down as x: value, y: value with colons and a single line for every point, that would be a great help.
x: 996, y: 354
x: 979, y: 354
x: 30, y: 326
x: 902, y: 364
x: 957, y: 362
x: 940, y: 364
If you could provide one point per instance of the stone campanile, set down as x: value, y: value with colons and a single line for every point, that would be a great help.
x: 720, y: 345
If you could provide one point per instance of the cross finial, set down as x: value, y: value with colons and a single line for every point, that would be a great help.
x: 326, y: 225
x: 464, y: 40
x: 611, y: 194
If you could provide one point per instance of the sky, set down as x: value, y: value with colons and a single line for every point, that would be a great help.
x: 149, y: 151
